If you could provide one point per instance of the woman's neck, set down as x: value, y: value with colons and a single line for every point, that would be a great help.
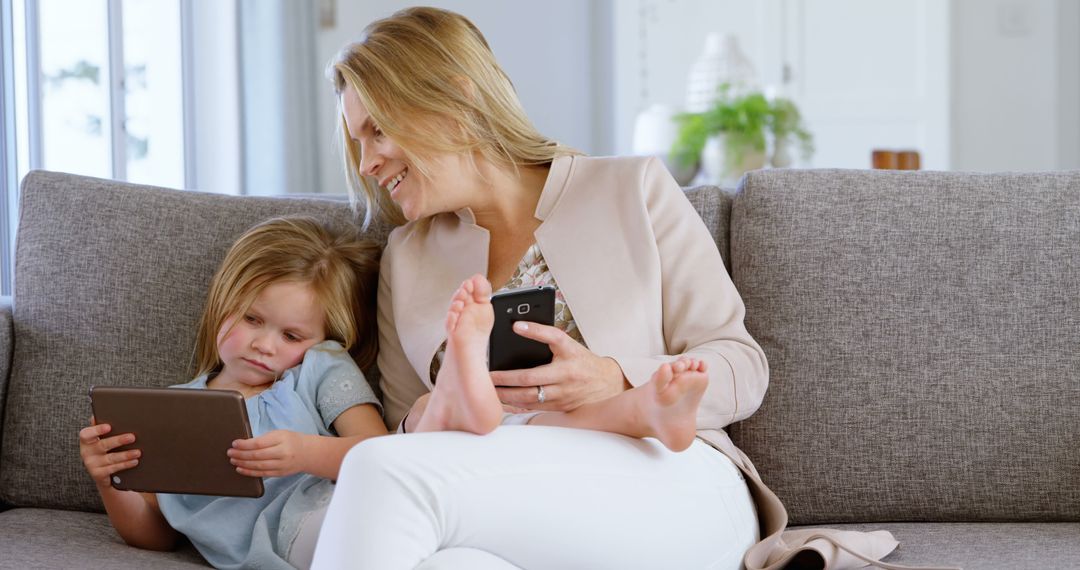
x: 508, y: 203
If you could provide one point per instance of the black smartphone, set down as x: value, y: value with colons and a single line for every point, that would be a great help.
x: 508, y: 350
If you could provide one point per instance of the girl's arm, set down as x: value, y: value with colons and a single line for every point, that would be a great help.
x: 137, y: 519
x: 282, y: 452
x: 135, y: 516
x: 353, y: 426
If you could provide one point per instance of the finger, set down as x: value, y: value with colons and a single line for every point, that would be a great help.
x: 110, y: 443
x: 112, y: 462
x: 553, y: 337
x: 250, y: 455
x: 89, y: 435
x: 268, y: 465
x: 517, y: 378
x: 528, y: 397
x: 252, y: 443
x: 106, y: 471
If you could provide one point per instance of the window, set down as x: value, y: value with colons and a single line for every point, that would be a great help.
x: 93, y: 87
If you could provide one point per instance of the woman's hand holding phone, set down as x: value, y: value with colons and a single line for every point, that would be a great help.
x: 575, y: 375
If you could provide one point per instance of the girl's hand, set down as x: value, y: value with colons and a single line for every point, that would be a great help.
x: 574, y: 376
x: 275, y: 454
x: 98, y: 457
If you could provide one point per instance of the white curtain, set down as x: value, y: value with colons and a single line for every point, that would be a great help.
x: 277, y: 97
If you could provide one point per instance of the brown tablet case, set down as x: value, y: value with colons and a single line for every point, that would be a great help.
x: 183, y: 435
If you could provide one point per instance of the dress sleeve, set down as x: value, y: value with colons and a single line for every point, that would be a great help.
x: 702, y: 310
x: 400, y: 384
x: 337, y: 381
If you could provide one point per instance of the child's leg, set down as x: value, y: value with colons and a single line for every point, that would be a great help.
x: 464, y: 398
x: 664, y: 408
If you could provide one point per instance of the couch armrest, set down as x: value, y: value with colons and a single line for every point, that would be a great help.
x: 7, y: 347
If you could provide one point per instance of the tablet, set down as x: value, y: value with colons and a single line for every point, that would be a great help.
x: 183, y: 435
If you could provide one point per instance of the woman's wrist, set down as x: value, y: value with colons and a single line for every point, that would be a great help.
x: 615, y: 373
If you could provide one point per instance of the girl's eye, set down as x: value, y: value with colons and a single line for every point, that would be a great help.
x: 292, y: 338
x: 251, y: 319
x: 378, y: 132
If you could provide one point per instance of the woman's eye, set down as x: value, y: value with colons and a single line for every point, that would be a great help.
x: 378, y: 132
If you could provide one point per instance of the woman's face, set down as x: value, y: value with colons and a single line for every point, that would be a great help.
x: 384, y: 160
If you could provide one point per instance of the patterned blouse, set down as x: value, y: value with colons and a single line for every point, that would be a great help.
x: 532, y: 271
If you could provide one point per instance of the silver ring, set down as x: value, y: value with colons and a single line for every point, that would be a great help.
x: 540, y: 395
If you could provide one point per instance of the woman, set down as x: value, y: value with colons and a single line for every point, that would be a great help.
x: 431, y: 119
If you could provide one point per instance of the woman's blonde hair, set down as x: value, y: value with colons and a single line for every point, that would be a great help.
x: 431, y: 84
x: 341, y: 270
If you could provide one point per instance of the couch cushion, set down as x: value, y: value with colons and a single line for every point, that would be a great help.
x: 41, y: 538
x: 923, y: 336
x: 1004, y: 546
x: 714, y: 206
x: 110, y: 279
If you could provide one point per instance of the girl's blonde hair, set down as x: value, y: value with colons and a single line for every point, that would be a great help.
x: 341, y: 270
x: 432, y: 85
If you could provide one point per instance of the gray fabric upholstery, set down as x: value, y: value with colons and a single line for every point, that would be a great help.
x: 922, y: 329
x: 977, y: 546
x: 923, y: 336
x: 50, y: 539
x: 714, y: 206
x: 7, y: 346
x: 110, y: 281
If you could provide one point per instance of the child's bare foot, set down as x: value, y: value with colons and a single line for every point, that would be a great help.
x: 464, y: 398
x: 669, y: 402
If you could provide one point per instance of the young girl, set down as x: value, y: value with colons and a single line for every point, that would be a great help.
x: 289, y: 301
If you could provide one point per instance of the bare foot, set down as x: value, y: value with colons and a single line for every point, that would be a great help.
x: 464, y: 398
x: 668, y: 403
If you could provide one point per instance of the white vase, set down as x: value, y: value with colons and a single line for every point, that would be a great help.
x: 722, y: 61
x: 781, y: 155
x: 714, y: 166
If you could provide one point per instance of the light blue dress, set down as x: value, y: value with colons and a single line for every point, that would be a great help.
x: 237, y: 532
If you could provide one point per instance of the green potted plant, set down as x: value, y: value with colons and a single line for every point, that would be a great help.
x: 738, y: 126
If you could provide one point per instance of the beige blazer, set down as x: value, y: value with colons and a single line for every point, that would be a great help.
x: 637, y: 267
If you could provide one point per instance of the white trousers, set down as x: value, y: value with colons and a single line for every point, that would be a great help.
x: 535, y: 497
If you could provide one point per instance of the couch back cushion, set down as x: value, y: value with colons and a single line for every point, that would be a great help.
x: 110, y: 281
x: 713, y: 204
x: 923, y: 336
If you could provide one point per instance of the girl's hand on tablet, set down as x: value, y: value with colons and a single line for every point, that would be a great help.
x: 275, y: 454
x: 98, y: 456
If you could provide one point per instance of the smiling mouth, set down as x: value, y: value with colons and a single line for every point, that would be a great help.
x: 393, y: 183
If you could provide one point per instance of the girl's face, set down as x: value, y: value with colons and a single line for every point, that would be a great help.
x: 384, y: 160
x: 257, y: 347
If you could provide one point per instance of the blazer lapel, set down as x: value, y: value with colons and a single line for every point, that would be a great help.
x: 452, y: 249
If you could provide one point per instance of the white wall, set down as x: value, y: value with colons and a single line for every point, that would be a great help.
x: 546, y: 49
x: 657, y: 41
x: 1007, y: 80
x: 1069, y: 84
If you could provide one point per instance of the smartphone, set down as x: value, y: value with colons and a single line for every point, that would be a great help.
x: 508, y: 350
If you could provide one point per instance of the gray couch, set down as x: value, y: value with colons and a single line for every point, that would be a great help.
x: 923, y: 331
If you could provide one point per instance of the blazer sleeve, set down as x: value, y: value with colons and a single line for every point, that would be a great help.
x: 702, y: 311
x: 399, y: 382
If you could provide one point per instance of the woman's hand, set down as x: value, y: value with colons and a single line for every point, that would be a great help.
x: 574, y: 376
x: 97, y: 453
x: 275, y: 454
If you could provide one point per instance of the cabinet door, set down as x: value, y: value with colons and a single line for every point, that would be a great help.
x: 869, y: 74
